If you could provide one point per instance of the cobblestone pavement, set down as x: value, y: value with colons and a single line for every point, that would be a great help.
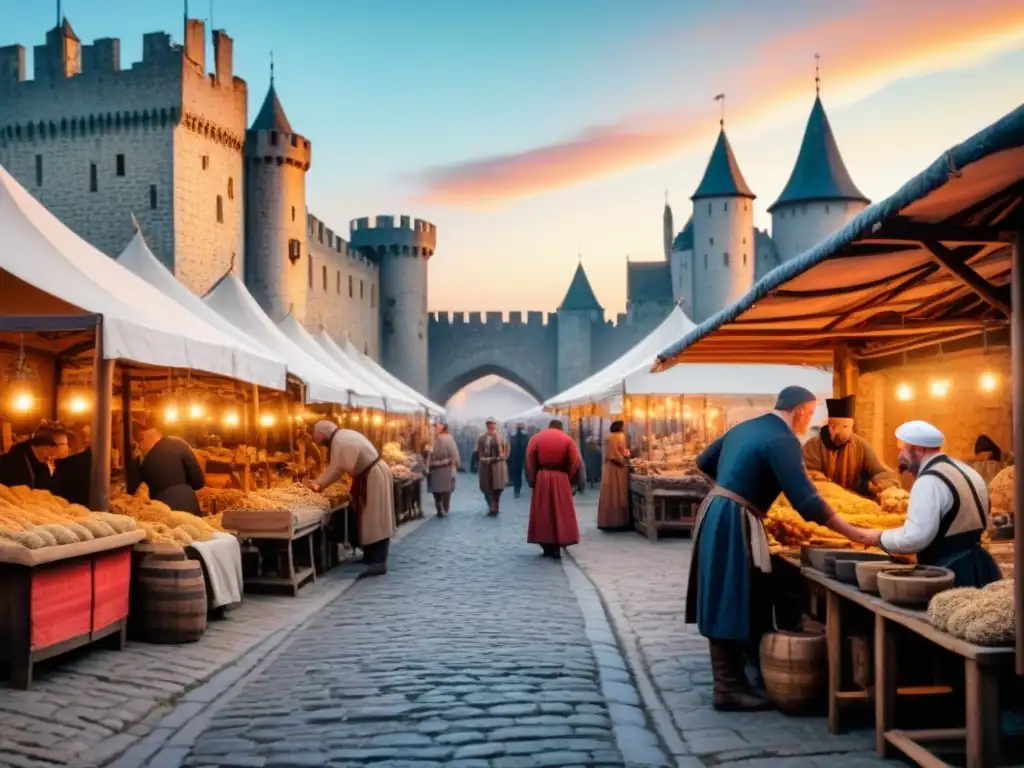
x: 472, y: 652
x: 643, y: 586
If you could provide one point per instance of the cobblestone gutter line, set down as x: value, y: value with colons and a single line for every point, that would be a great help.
x: 164, y: 741
x: 603, y: 634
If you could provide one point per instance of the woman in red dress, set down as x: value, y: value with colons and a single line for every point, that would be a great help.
x: 552, y: 460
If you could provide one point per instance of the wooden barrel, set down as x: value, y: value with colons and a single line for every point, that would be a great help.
x: 172, y: 601
x: 141, y: 551
x: 793, y: 665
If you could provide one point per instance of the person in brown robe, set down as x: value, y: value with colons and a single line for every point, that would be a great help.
x: 493, y: 453
x: 844, y: 457
x: 444, y: 462
x: 613, y: 502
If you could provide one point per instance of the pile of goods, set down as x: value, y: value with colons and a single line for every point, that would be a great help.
x: 214, y: 500
x: 339, y: 493
x: 162, y: 524
x: 288, y: 497
x: 787, y: 530
x: 1001, y: 495
x: 399, y: 462
x: 668, y: 458
x: 35, y: 519
x: 981, y: 616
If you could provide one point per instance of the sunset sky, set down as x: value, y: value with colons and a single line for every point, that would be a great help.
x: 530, y: 131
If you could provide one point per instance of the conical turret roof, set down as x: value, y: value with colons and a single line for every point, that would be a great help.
x: 67, y: 31
x: 580, y: 296
x: 819, y: 173
x: 723, y: 177
x: 271, y: 116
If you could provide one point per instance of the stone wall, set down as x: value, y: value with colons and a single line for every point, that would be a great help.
x: 962, y: 415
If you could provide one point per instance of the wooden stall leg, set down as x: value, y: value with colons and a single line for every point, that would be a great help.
x: 291, y: 568
x: 885, y: 684
x: 983, y: 726
x: 834, y: 639
x: 312, y: 554
x: 652, y: 524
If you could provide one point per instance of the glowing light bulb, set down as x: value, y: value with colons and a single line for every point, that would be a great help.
x: 22, y: 402
x: 171, y: 414
x: 78, y: 404
x: 988, y: 382
x: 377, y: 419
x: 939, y: 388
x: 231, y: 419
x: 267, y: 420
x: 904, y: 392
x: 195, y: 411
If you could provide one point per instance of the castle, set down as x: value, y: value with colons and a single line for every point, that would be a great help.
x: 171, y: 143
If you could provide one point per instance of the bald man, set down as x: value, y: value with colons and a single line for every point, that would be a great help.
x: 372, y: 489
x: 947, y: 512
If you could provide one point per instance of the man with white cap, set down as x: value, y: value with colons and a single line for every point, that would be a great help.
x: 730, y: 594
x: 372, y: 489
x: 493, y: 453
x: 947, y: 513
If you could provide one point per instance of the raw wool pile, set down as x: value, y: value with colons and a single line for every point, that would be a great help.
x: 786, y: 529
x: 981, y: 616
x: 1001, y: 493
x: 162, y: 524
x: 35, y: 519
x: 282, y: 497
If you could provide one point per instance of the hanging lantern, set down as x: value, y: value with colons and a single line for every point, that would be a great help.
x: 231, y: 419
x: 904, y: 392
x: 988, y: 382
x: 939, y: 388
x: 267, y: 420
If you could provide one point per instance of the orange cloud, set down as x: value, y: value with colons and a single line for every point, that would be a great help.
x: 883, y: 41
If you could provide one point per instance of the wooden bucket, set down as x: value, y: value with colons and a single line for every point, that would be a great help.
x: 793, y: 666
x: 172, y: 601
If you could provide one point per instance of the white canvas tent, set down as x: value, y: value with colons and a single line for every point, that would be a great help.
x: 230, y: 299
x: 366, y: 393
x: 631, y: 374
x: 139, y: 259
x: 46, y: 270
x: 372, y: 365
x: 397, y: 401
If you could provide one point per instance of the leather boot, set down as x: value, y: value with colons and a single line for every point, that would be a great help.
x: 732, y: 693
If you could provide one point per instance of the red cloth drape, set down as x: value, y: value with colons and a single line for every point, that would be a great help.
x: 552, y: 459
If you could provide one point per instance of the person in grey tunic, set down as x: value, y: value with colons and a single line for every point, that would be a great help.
x: 444, y: 462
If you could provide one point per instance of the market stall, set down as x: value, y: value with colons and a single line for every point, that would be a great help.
x: 915, y: 303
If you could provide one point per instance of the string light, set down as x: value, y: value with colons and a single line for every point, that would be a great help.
x: 904, y: 392
x: 23, y: 402
x: 267, y: 420
x: 988, y: 382
x: 78, y: 404
x: 231, y: 419
x: 939, y: 388
x: 171, y: 414
x: 195, y: 411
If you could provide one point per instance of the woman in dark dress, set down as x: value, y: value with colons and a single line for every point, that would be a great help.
x: 27, y: 463
x: 72, y: 475
x: 170, y: 469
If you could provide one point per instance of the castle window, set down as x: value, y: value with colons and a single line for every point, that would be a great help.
x: 373, y: 295
x: 93, y: 179
x: 366, y: 348
x: 350, y: 286
x: 39, y: 170
x: 293, y: 213
x: 120, y: 165
x: 295, y: 252
x: 709, y: 209
x: 310, y: 271
x: 220, y: 209
x: 726, y: 259
x: 744, y: 259
x: 231, y: 189
x: 325, y: 277
x: 744, y: 205
x: 826, y: 207
x: 705, y: 262
x: 206, y: 162
x: 744, y: 241
x: 273, y: 138
x: 360, y: 289
x: 337, y: 283
x: 152, y: 197
x: 725, y: 206
x: 320, y: 232
x: 711, y: 240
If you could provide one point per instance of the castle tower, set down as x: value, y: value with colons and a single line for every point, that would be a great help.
x: 723, y: 234
x: 820, y: 197
x: 578, y: 315
x: 667, y: 231
x: 278, y: 269
x: 61, y: 56
x: 681, y: 265
x: 402, y: 252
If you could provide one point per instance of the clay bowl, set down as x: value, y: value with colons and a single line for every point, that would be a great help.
x: 846, y: 570
x: 867, y: 573
x: 821, y: 558
x: 913, y: 587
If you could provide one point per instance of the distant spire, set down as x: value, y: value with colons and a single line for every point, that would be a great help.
x: 271, y: 68
x: 721, y: 97
x: 60, y: 13
x: 817, y: 74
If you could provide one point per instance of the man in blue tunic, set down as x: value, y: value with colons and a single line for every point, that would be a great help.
x: 947, y: 512
x: 729, y: 595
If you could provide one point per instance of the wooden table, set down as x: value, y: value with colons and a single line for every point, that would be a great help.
x: 408, y: 497
x: 281, y: 532
x: 982, y: 664
x: 655, y: 508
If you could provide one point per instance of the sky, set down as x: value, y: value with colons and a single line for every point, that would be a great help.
x: 537, y: 133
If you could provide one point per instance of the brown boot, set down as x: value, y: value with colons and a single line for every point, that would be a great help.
x: 732, y: 693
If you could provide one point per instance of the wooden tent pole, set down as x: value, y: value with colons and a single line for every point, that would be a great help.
x: 127, y: 465
x: 103, y: 382
x: 1017, y: 395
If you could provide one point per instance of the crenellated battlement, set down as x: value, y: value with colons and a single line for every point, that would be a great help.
x: 319, y: 231
x: 495, y: 321
x: 273, y: 148
x: 409, y: 237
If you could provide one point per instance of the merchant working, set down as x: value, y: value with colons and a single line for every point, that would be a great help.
x: 372, y: 490
x: 846, y: 458
x: 169, y: 468
x: 947, y: 512
x: 730, y: 591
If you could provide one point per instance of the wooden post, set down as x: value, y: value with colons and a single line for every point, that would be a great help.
x: 647, y: 425
x: 126, y: 428
x: 844, y: 372
x: 103, y: 382
x: 1017, y: 375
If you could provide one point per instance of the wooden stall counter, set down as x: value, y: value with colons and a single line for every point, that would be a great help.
x: 408, y: 495
x: 54, y: 599
x: 663, y: 503
x: 982, y: 668
x: 285, y: 534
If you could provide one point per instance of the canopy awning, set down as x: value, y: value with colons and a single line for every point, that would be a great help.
x: 230, y: 299
x: 365, y: 394
x: 370, y: 364
x: 51, y: 276
x: 139, y: 259
x: 395, y: 399
x: 929, y: 265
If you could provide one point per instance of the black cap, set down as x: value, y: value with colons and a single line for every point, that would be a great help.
x: 791, y: 397
x: 841, y: 407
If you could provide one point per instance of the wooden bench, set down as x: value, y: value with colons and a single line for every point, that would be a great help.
x: 982, y: 664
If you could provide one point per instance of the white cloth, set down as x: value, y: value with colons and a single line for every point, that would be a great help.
x: 930, y: 501
x: 920, y: 433
x: 222, y: 557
